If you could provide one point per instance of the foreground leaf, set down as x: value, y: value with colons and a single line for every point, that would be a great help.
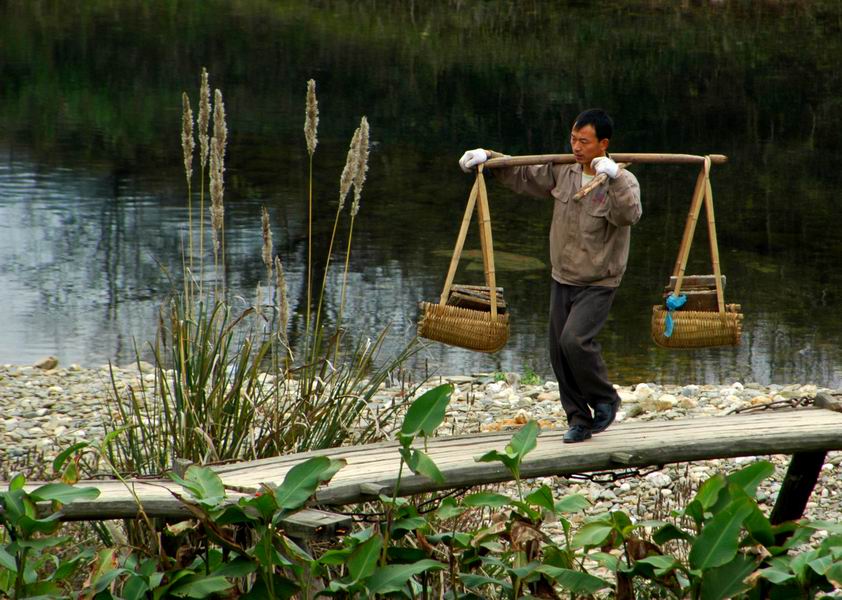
x: 202, y: 483
x: 302, y: 480
x: 752, y: 475
x: 392, y: 578
x: 574, y: 581
x: 592, y: 534
x: 717, y: 543
x: 728, y: 580
x: 421, y: 464
x: 61, y: 492
x: 572, y: 503
x: 363, y: 559
x: 426, y: 413
x: 200, y: 588
x: 486, y: 499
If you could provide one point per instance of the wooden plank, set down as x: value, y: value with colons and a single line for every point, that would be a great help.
x: 374, y: 467
x: 695, y: 282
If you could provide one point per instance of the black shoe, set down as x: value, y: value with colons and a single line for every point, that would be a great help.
x: 603, y: 415
x: 577, y: 433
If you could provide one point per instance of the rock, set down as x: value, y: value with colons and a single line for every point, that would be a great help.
x: 643, y: 392
x: 495, y: 388
x: 635, y: 410
x: 687, y: 403
x: 659, y: 479
x: 47, y: 363
x: 551, y: 396
x: 690, y: 390
x: 665, y: 402
x: 627, y: 395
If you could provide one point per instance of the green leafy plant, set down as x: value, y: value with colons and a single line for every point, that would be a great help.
x: 721, y: 557
x: 523, y: 442
x: 28, y: 546
x: 530, y: 377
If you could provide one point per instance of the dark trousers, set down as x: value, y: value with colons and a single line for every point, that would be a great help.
x: 577, y: 314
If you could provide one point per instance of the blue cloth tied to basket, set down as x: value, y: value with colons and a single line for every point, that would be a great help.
x: 673, y: 303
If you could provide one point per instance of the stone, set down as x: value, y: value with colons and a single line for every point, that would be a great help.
x: 690, y: 390
x: 635, y: 410
x: 665, y: 402
x: 48, y: 363
x: 549, y: 396
x: 627, y: 395
x: 659, y: 479
x: 687, y: 403
x: 642, y: 391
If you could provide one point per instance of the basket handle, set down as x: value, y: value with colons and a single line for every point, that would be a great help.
x: 460, y: 242
x: 714, y: 247
x: 702, y: 193
x: 484, y: 219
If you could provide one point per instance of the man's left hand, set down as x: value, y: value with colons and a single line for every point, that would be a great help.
x: 603, y: 164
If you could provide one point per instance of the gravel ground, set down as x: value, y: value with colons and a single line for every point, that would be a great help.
x: 43, y: 410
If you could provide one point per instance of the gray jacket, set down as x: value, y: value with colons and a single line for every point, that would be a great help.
x: 589, y: 238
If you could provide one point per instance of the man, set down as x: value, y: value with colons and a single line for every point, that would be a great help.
x: 589, y: 248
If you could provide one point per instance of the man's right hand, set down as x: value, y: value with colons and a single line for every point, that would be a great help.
x: 472, y: 158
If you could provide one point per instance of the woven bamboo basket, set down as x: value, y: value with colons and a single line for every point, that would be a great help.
x: 721, y: 326
x: 463, y: 327
x: 474, y: 329
x: 698, y: 329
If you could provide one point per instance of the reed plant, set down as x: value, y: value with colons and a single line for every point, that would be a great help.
x: 227, y: 384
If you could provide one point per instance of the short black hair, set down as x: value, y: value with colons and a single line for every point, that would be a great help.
x: 598, y: 119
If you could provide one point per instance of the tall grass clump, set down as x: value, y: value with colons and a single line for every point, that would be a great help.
x: 226, y: 382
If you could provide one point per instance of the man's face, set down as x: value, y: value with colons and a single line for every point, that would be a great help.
x: 585, y: 145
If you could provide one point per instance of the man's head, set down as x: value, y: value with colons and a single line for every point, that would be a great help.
x: 592, y: 131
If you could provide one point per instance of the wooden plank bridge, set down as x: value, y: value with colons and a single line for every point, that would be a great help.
x: 373, y: 468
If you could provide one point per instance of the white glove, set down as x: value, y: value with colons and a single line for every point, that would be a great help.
x: 603, y: 164
x: 472, y: 158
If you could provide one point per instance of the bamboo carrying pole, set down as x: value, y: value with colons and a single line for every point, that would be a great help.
x: 594, y: 183
x: 633, y: 158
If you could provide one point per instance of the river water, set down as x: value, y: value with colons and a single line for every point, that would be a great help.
x: 93, y: 208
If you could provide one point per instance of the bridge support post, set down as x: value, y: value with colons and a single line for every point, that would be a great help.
x: 798, y: 484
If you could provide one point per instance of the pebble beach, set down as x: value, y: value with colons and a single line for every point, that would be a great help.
x: 44, y: 410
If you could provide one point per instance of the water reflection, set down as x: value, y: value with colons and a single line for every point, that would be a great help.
x: 92, y: 205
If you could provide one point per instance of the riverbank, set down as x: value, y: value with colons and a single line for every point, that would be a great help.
x: 46, y: 410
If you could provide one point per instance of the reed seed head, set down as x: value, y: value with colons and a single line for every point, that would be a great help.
x: 267, y: 240
x: 220, y: 130
x: 350, y: 169
x: 362, y: 166
x: 311, y: 119
x: 217, y: 191
x: 204, y: 117
x: 281, y: 287
x: 217, y: 167
x: 187, y: 142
